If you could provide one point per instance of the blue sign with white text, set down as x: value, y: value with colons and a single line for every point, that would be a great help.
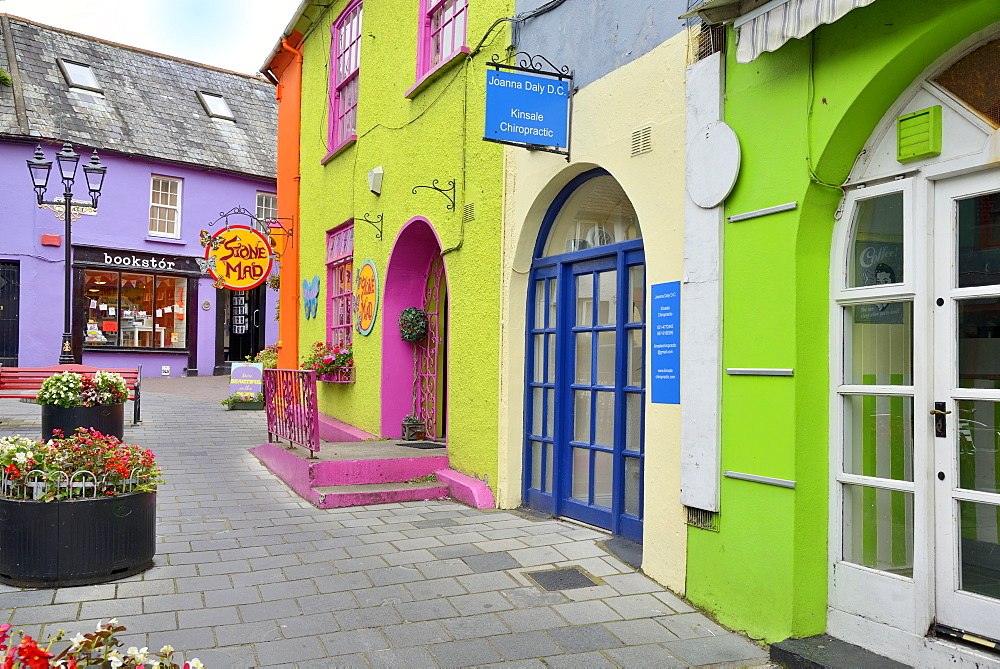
x: 524, y: 108
x: 665, y: 343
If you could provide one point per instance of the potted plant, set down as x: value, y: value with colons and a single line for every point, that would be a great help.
x: 333, y: 364
x: 97, y: 649
x: 413, y: 428
x: 268, y: 357
x: 413, y: 324
x: 75, y: 510
x: 70, y: 400
x: 242, y: 401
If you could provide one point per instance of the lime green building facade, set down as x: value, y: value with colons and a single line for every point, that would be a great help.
x: 841, y: 507
x: 429, y: 221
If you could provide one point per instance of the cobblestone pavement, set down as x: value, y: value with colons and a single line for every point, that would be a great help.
x: 247, y: 574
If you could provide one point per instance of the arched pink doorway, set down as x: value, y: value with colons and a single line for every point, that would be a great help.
x: 415, y: 258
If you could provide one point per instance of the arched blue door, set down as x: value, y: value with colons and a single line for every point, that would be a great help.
x: 585, y: 359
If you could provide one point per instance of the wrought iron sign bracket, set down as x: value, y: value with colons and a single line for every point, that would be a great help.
x: 529, y: 62
x: 443, y: 191
x: 262, y: 225
x: 377, y: 224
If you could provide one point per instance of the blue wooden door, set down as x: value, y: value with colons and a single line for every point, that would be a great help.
x: 586, y: 374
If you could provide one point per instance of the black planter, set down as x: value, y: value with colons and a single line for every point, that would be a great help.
x: 106, y: 419
x: 247, y: 406
x: 79, y: 542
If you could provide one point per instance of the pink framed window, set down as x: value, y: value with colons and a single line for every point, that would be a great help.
x: 442, y: 32
x: 340, y: 284
x: 345, y: 61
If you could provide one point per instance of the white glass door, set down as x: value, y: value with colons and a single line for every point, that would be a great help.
x: 965, y: 416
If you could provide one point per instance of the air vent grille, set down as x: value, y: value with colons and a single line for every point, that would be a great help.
x: 469, y: 213
x: 700, y: 518
x: 642, y: 140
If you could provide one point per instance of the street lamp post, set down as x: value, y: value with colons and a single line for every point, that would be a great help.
x: 39, y: 168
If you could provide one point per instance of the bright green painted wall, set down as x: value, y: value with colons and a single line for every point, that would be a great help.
x: 435, y: 135
x: 765, y: 571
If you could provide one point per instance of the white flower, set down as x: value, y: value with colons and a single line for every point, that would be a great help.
x: 166, y: 650
x: 115, y: 659
x: 196, y: 664
x: 78, y: 640
x: 138, y: 654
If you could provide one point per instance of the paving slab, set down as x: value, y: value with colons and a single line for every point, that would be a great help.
x: 247, y: 574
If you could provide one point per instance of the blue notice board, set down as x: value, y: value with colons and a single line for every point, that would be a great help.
x: 665, y: 343
x: 524, y: 108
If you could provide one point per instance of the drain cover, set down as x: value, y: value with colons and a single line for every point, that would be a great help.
x: 561, y: 579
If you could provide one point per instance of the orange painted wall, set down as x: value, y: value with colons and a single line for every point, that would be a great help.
x: 286, y: 67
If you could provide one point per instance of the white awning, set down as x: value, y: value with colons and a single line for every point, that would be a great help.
x: 771, y: 25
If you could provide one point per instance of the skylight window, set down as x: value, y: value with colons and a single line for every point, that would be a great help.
x: 79, y: 75
x: 216, y: 105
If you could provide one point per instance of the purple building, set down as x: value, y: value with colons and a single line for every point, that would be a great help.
x: 182, y: 142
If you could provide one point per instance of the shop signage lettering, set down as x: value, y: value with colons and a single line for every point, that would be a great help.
x: 878, y: 263
x: 366, y: 297
x: 246, y: 377
x: 241, y: 260
x: 527, y: 109
x: 665, y: 341
x: 133, y: 261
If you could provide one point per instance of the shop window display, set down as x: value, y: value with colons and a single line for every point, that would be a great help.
x: 134, y: 310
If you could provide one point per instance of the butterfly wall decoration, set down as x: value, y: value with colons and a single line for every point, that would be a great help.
x: 206, y: 264
x: 310, y: 297
x: 209, y: 240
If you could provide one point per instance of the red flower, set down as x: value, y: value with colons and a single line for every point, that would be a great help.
x: 31, y: 655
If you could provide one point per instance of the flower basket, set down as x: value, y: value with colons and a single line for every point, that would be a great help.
x: 413, y: 430
x: 338, y: 375
x: 413, y: 324
x: 244, y: 401
x: 70, y: 400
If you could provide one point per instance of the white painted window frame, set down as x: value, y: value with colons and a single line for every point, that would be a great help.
x: 273, y: 215
x: 176, y: 234
x: 877, y: 595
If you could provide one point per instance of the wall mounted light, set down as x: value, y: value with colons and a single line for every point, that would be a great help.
x: 375, y: 180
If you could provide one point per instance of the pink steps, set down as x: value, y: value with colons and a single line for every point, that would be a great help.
x: 338, y: 483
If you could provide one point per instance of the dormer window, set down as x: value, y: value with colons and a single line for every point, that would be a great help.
x: 79, y: 75
x: 216, y: 106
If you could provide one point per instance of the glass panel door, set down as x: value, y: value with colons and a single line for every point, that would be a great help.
x: 603, y: 452
x: 967, y: 386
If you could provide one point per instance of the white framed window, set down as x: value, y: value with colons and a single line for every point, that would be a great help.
x: 216, y: 105
x: 165, y: 207
x: 79, y: 75
x: 267, y: 206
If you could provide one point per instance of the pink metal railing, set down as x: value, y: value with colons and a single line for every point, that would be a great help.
x: 290, y: 400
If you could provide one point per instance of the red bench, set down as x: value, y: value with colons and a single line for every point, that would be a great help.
x: 25, y: 382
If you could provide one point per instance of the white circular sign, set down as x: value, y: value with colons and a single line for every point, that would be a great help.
x: 713, y: 163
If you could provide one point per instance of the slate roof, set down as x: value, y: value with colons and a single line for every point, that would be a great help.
x: 149, y: 106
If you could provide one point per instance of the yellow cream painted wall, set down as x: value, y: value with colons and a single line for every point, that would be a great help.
x: 647, y: 92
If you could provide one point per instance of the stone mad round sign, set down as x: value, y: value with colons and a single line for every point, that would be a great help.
x: 239, y: 257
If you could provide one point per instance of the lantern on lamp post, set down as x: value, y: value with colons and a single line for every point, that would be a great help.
x: 94, y: 171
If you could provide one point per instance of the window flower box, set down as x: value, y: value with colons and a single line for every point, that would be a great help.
x: 338, y: 375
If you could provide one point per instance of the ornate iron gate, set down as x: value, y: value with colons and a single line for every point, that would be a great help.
x: 292, y: 413
x: 429, y: 375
